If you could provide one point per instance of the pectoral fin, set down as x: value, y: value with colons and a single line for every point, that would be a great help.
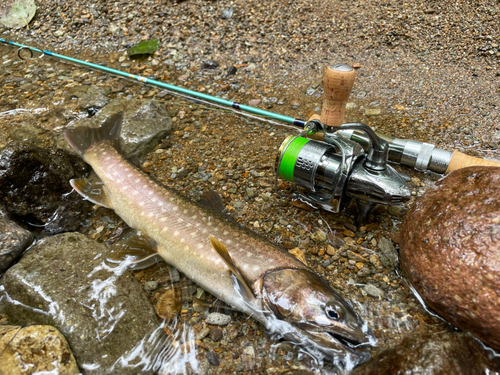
x: 136, y: 248
x: 92, y: 189
x: 240, y: 279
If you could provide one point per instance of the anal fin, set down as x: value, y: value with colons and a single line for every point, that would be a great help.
x: 92, y: 189
x: 239, y: 278
x: 136, y: 248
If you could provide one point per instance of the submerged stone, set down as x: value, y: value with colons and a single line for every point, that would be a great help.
x: 34, y: 186
x: 431, y: 353
x: 13, y: 241
x: 450, y: 250
x: 63, y: 281
x: 36, y: 349
x: 145, y: 123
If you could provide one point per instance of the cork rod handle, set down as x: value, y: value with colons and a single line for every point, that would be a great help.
x: 338, y: 81
x: 459, y: 160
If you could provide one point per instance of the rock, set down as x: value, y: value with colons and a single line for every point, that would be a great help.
x: 450, y: 250
x: 218, y: 319
x: 216, y: 334
x: 318, y: 236
x: 213, y: 358
x: 13, y: 241
x: 64, y: 282
x: 373, y: 291
x: 34, y: 186
x: 37, y: 348
x: 389, y: 255
x: 210, y: 64
x: 431, y: 353
x: 145, y: 123
x: 88, y: 97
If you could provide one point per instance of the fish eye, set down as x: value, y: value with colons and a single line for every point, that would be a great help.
x: 331, y: 313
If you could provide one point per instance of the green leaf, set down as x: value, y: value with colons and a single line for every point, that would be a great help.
x: 144, y: 47
x: 17, y: 13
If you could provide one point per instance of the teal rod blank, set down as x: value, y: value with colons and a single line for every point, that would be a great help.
x: 210, y: 98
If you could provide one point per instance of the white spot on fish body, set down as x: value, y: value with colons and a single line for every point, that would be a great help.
x: 141, y: 204
x: 176, y: 233
x: 151, y: 214
x: 194, y: 216
x: 185, y: 211
x: 199, y: 246
x: 255, y: 268
x: 130, y: 175
x: 179, y: 220
x: 175, y: 208
x: 229, y: 242
x: 137, y: 180
x: 135, y: 192
x: 164, y: 229
x: 225, y: 233
x: 163, y: 219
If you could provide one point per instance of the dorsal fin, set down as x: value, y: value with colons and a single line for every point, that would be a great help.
x: 212, y: 200
x: 224, y: 254
x: 92, y: 189
x: 82, y: 137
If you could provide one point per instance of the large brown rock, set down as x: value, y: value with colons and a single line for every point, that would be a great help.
x: 450, y: 250
x: 432, y: 353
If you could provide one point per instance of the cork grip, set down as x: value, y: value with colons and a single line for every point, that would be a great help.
x: 338, y: 81
x: 459, y: 160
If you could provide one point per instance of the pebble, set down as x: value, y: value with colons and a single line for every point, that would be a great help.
x: 373, y: 291
x: 213, y: 358
x: 216, y: 334
x: 203, y: 333
x: 218, y: 319
x: 318, y: 236
x: 151, y: 285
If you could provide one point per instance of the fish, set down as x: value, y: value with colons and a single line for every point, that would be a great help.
x: 233, y: 263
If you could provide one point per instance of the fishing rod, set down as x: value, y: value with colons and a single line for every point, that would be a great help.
x: 210, y: 98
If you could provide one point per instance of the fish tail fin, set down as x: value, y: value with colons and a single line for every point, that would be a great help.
x: 81, y: 138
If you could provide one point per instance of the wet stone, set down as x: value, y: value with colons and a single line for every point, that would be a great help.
x: 213, y: 358
x: 216, y: 334
x: 89, y: 96
x: 318, y: 236
x: 218, y: 319
x: 373, y: 291
x: 145, y: 124
x: 39, y: 348
x: 34, y: 186
x: 431, y: 353
x: 64, y: 282
x: 450, y: 250
x: 13, y: 241
x: 388, y: 255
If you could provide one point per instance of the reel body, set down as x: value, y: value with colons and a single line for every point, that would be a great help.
x: 337, y: 170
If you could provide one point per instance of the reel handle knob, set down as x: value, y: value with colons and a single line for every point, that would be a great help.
x: 338, y: 81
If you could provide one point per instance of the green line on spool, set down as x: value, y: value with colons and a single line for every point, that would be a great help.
x: 290, y: 157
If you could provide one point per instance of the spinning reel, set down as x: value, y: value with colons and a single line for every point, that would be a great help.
x: 336, y: 169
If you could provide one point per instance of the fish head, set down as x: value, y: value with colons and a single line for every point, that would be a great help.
x: 303, y: 299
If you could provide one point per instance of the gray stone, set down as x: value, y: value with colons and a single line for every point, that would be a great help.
x: 89, y: 96
x: 145, y: 123
x: 373, y: 291
x: 218, y: 319
x: 63, y: 281
x: 151, y: 285
x: 250, y: 192
x: 13, y: 241
x: 389, y: 255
